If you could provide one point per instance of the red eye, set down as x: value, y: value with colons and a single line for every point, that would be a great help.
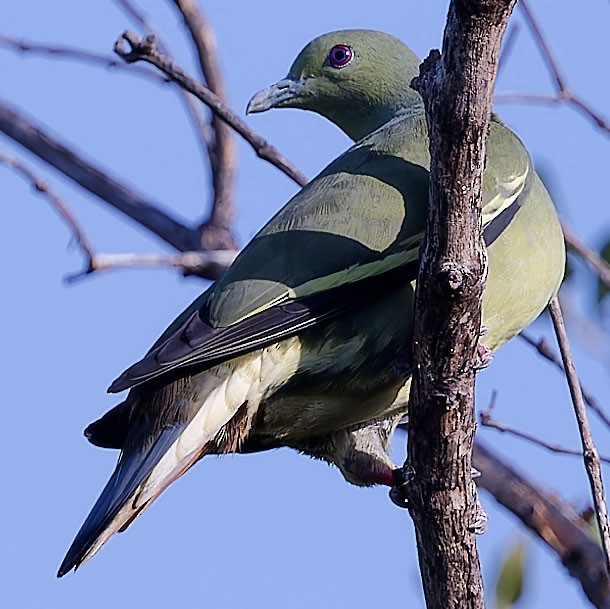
x: 340, y: 56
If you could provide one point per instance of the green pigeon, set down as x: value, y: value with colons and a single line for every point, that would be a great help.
x: 305, y: 341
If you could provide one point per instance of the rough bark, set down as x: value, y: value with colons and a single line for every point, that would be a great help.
x: 457, y: 89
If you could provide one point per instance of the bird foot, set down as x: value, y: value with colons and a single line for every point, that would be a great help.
x: 483, y: 357
x: 479, y: 525
x: 398, y: 493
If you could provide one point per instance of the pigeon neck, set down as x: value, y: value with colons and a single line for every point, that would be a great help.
x: 358, y: 121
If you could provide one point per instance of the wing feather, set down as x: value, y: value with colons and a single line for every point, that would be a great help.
x: 198, y: 344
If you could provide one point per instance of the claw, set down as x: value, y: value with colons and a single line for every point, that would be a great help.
x: 398, y: 493
x: 483, y: 357
x: 479, y: 525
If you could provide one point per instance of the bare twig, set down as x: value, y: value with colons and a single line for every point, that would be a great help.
x: 487, y: 420
x: 135, y: 14
x: 563, y: 92
x: 599, y: 266
x: 55, y: 51
x: 551, y: 518
x: 223, y: 155
x: 202, y: 128
x: 208, y: 264
x: 549, y: 354
x: 143, y: 49
x: 93, y: 179
x: 58, y: 51
x: 591, y: 456
x: 551, y: 100
x: 545, y: 49
x: 60, y: 207
x: 509, y: 43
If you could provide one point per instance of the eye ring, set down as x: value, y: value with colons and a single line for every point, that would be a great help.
x: 340, y: 56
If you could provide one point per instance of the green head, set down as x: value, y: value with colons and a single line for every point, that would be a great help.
x: 358, y: 79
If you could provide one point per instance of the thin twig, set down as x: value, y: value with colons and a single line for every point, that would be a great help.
x: 223, y: 157
x: 135, y: 14
x: 545, y: 49
x: 542, y: 99
x: 202, y: 128
x: 549, y: 354
x: 58, y: 51
x: 143, y: 49
x: 563, y: 92
x: 487, y: 420
x: 594, y: 260
x: 55, y: 51
x: 97, y: 182
x: 58, y: 205
x: 508, y: 44
x: 209, y: 264
x: 591, y: 456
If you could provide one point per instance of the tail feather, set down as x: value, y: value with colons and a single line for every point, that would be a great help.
x: 169, y: 433
x: 119, y: 504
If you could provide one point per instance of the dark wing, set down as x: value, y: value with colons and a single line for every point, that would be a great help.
x: 198, y: 344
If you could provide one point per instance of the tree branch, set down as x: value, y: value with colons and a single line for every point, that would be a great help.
x: 55, y: 51
x: 457, y: 89
x: 93, y: 179
x: 136, y: 15
x: 551, y: 518
x: 58, y: 51
x: 222, y: 156
x: 487, y: 420
x: 215, y: 233
x: 563, y: 91
x: 591, y: 456
x: 596, y: 263
x: 545, y: 351
x: 554, y: 520
x: 144, y: 49
x: 209, y: 264
x: 60, y: 207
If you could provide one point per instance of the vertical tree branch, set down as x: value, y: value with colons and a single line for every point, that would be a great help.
x: 222, y: 157
x: 200, y: 125
x: 591, y: 457
x: 457, y: 89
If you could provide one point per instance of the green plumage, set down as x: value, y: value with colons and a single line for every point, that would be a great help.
x: 306, y: 340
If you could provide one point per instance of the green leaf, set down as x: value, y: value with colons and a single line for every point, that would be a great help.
x: 511, y: 578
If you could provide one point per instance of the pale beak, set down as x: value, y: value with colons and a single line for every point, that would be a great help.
x: 275, y: 96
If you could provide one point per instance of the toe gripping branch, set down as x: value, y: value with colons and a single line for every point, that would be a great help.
x: 483, y: 356
x: 399, y: 493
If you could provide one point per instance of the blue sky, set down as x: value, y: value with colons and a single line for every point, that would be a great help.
x: 275, y: 529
